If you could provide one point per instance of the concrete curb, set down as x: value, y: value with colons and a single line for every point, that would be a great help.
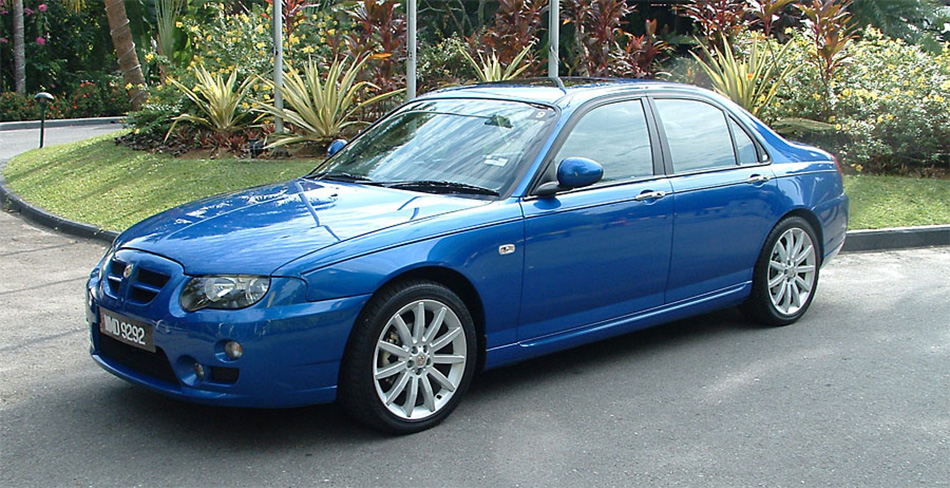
x: 35, y: 124
x: 897, y: 238
x: 37, y: 215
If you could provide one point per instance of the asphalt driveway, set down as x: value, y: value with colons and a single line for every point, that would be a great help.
x: 13, y: 142
x: 856, y: 394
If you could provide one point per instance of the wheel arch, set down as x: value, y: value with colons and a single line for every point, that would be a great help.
x: 812, y: 220
x: 454, y: 281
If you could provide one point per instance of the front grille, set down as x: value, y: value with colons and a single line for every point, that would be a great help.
x: 144, y: 284
x: 152, y: 364
x: 114, y: 277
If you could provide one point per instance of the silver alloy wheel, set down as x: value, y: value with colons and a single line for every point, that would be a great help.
x: 420, y: 359
x: 792, y: 271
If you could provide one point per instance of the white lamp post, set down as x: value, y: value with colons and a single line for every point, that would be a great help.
x: 278, y: 62
x: 554, y: 30
x: 411, y: 50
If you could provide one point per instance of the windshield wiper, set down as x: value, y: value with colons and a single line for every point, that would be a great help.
x: 340, y: 176
x: 435, y: 186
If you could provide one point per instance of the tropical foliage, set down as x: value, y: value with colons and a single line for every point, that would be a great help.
x: 908, y: 20
x: 218, y: 101
x: 829, y: 30
x: 888, y: 107
x: 716, y: 19
x: 750, y: 79
x: 812, y: 68
x: 320, y: 107
x: 491, y: 69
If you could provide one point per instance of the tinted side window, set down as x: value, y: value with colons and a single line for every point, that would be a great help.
x: 697, y: 134
x: 615, y: 136
x: 744, y: 145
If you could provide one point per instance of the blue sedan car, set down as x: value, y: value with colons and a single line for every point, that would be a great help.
x: 471, y: 228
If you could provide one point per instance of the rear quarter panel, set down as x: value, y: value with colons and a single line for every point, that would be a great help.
x: 816, y: 186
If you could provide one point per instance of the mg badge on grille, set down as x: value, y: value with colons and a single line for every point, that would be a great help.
x: 127, y: 271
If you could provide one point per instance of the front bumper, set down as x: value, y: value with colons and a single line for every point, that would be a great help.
x: 292, y: 348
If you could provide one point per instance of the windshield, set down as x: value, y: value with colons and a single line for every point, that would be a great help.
x: 444, y: 146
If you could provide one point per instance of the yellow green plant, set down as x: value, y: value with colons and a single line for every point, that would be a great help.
x: 219, y: 102
x: 490, y: 69
x: 749, y: 80
x: 320, y: 107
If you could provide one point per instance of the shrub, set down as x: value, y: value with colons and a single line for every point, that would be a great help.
x: 86, y: 101
x: 321, y: 107
x: 443, y: 64
x: 489, y: 68
x: 596, y: 35
x: 716, y: 19
x: 379, y: 38
x: 224, y: 42
x: 515, y: 25
x: 221, y: 103
x: 893, y: 106
x: 15, y: 107
x: 750, y: 79
x: 889, y: 105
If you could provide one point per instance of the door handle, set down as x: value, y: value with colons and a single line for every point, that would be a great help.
x: 758, y: 179
x: 650, y: 195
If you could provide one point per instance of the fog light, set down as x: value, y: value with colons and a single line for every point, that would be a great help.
x: 234, y: 350
x: 199, y: 371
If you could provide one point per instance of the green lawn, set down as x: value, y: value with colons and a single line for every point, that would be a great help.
x: 878, y: 202
x: 112, y: 187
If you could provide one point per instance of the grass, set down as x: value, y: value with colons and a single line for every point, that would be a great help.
x: 879, y: 202
x: 113, y: 187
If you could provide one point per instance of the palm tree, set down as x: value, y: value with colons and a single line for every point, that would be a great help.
x: 19, y: 56
x: 123, y: 44
x: 124, y: 49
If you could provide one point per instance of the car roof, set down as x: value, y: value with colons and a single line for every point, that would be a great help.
x: 560, y: 92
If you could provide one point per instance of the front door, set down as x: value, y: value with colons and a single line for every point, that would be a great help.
x: 602, y: 252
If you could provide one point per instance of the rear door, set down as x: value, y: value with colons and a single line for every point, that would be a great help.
x: 724, y: 196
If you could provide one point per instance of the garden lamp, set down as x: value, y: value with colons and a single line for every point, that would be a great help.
x: 44, y: 99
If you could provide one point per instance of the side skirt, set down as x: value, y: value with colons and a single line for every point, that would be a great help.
x: 520, y: 351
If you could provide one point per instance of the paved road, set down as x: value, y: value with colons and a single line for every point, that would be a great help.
x: 13, y: 142
x: 856, y: 394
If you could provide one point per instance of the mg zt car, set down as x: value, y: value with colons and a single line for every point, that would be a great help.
x: 471, y: 228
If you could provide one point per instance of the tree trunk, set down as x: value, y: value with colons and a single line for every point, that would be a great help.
x: 19, y: 56
x: 125, y: 51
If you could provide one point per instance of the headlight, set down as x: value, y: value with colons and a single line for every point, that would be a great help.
x: 226, y: 292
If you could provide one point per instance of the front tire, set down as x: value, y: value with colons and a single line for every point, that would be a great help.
x: 411, y: 358
x: 786, y: 274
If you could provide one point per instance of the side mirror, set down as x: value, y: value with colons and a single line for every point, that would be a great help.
x: 335, y: 147
x: 573, y: 173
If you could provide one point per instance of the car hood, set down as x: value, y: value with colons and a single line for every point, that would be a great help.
x: 255, y: 231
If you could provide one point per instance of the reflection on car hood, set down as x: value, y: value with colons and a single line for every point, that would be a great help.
x: 256, y: 231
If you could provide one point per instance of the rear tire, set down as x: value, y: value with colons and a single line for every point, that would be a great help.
x: 786, y: 274
x: 410, y: 359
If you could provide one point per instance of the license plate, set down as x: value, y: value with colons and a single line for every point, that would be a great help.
x: 126, y: 330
